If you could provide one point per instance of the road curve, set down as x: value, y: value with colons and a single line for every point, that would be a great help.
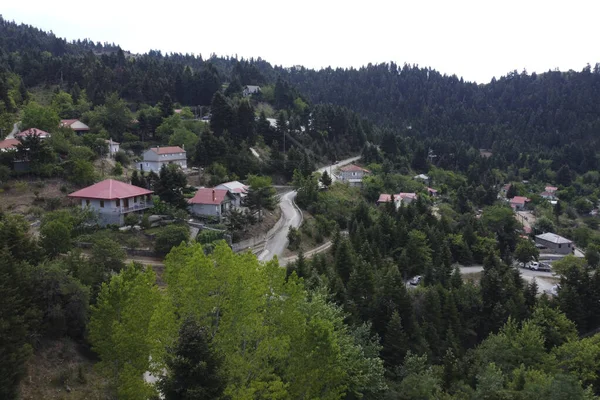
x: 291, y: 216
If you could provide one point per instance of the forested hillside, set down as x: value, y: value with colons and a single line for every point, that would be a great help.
x: 414, y: 288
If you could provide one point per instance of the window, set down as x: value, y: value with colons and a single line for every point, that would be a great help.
x: 102, y: 203
x: 559, y: 245
x: 118, y: 202
x: 146, y: 164
x: 87, y: 202
x: 135, y: 199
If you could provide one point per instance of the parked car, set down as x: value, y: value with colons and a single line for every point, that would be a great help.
x: 539, y: 266
x: 416, y: 280
x: 544, y: 267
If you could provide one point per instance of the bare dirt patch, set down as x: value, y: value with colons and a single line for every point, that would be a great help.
x: 18, y: 196
x: 260, y: 229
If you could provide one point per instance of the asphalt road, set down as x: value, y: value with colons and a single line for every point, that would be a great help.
x: 290, y: 216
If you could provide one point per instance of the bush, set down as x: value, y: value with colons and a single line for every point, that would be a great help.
x: 294, y: 238
x: 122, y: 158
x: 170, y: 237
x: 118, y: 169
x: 131, y: 219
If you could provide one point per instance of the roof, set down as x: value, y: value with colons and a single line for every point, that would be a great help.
x: 209, y: 196
x: 519, y: 200
x: 235, y: 186
x: 506, y: 187
x: 110, y: 141
x: 421, y: 176
x: 430, y: 190
x: 33, y: 131
x: 353, y: 168
x: 8, y: 144
x: 407, y: 195
x: 167, y: 150
x: 69, y: 122
x: 177, y: 111
x: 547, y: 194
x: 110, y: 189
x: 553, y: 238
x: 550, y: 188
x: 252, y: 88
x: 384, y: 198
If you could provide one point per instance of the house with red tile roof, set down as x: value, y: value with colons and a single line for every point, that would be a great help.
x: 33, y: 132
x: 432, y: 192
x: 156, y: 157
x: 112, y: 200
x: 397, y: 199
x: 352, y: 174
x: 211, y: 202
x: 551, y: 189
x: 518, y: 203
x: 75, y: 124
x: 8, y: 144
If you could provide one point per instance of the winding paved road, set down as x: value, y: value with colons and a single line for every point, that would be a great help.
x: 290, y: 216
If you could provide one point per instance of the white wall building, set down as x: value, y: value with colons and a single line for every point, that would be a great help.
x: 156, y: 157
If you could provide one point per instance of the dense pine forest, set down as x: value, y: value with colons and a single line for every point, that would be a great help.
x: 349, y: 322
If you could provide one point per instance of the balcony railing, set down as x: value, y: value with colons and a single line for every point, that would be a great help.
x: 123, y: 210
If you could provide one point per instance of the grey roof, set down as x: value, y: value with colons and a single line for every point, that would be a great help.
x: 253, y: 88
x: 553, y: 238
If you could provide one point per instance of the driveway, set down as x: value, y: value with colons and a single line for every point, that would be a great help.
x: 291, y: 215
x: 15, y: 130
x: 544, y: 280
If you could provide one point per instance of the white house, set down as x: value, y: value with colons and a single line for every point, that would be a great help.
x: 76, y: 125
x: 237, y: 189
x: 113, y: 147
x: 211, y: 202
x: 156, y: 157
x: 112, y: 200
x: 250, y: 89
x: 397, y: 199
x: 353, y: 174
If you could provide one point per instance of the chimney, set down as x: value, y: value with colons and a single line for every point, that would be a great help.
x: 214, y: 195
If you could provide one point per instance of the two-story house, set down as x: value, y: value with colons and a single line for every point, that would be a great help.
x: 353, y: 174
x: 112, y: 200
x: 156, y: 157
x: 113, y: 147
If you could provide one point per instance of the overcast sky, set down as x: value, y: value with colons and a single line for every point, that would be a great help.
x: 473, y: 39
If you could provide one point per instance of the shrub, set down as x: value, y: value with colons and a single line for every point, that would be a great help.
x: 118, y: 169
x: 294, y: 238
x: 122, y: 158
x: 169, y: 237
x: 132, y: 219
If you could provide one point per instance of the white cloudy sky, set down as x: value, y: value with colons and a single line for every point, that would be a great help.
x: 474, y: 39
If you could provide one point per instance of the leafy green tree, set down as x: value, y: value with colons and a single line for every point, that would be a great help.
x: 114, y: 116
x: 14, y: 326
x: 261, y: 195
x: 170, y: 185
x: 294, y: 239
x: 325, y: 179
x: 55, y: 238
x: 592, y: 256
x: 169, y: 237
x: 554, y: 325
x: 185, y: 138
x: 166, y: 106
x: 62, y: 104
x: 118, y: 330
x: 117, y: 169
x: 526, y: 251
x: 194, y: 370
x: 107, y: 257
x: 82, y: 173
x: 37, y: 116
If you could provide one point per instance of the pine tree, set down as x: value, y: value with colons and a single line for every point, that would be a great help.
x: 222, y: 114
x: 395, y: 342
x: 325, y: 179
x: 193, y: 367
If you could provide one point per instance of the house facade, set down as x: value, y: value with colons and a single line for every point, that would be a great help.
x: 518, y: 203
x: 113, y: 147
x: 112, y: 200
x: 250, y: 89
x: 76, y: 125
x: 156, y: 157
x: 353, y: 174
x: 397, y: 199
x: 211, y: 202
x: 237, y: 189
x: 555, y: 243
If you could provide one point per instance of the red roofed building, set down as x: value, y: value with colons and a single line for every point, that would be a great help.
x: 33, y: 132
x: 8, y: 144
x: 398, y: 199
x: 432, y: 192
x: 353, y: 174
x: 551, y: 189
x: 113, y: 199
x: 210, y: 202
x: 76, y: 125
x: 518, y: 203
x: 156, y: 157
